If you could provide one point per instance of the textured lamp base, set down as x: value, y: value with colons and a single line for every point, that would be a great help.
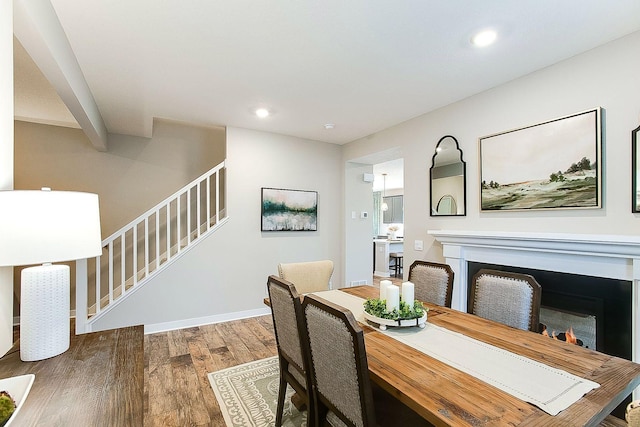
x: 44, y: 312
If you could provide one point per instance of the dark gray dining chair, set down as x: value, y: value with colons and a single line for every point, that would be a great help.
x: 506, y: 297
x: 339, y: 370
x: 433, y: 282
x: 290, y: 331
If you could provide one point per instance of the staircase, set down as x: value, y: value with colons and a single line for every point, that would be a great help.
x: 140, y: 250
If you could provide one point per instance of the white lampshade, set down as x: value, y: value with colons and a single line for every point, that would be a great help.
x: 43, y: 226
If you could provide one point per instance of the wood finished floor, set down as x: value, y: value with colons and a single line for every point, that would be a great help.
x: 177, y: 390
x: 176, y: 364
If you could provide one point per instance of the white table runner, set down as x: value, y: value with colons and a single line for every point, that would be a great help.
x: 550, y: 389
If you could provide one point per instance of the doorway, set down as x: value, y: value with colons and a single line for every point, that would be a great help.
x: 359, y: 231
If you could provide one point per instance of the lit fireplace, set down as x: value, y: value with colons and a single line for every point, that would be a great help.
x: 567, y: 336
x: 596, y: 309
x: 614, y: 259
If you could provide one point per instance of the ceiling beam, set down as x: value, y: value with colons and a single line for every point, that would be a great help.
x: 36, y: 26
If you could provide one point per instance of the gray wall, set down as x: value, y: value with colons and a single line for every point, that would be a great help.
x: 225, y: 275
x: 605, y: 77
x: 132, y: 177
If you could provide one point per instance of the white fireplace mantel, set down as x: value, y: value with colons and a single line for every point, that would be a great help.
x: 609, y: 256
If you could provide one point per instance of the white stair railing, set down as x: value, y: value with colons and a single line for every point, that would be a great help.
x: 144, y: 247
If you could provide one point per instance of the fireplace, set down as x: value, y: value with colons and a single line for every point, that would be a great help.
x: 603, y: 256
x: 597, y: 256
x: 598, y: 309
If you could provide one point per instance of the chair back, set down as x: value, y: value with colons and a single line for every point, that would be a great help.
x: 312, y: 276
x: 339, y: 370
x: 286, y: 311
x: 433, y: 282
x: 505, y: 297
x: 293, y: 349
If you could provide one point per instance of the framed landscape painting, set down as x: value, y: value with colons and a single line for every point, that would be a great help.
x: 289, y: 210
x: 551, y: 165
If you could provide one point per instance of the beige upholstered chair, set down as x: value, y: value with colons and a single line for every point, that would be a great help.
x: 309, y: 276
x: 339, y: 370
x: 433, y: 282
x: 509, y: 298
x: 290, y: 330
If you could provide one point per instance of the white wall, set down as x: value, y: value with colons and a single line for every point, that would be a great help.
x: 358, y: 253
x: 226, y: 274
x: 6, y: 161
x: 607, y: 76
x: 132, y: 177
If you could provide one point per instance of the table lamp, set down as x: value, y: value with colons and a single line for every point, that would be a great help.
x: 44, y: 226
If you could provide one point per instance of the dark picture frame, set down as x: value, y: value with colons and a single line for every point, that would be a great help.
x: 289, y: 210
x: 635, y: 170
x: 551, y: 165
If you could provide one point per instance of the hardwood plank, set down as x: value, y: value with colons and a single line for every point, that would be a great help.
x: 191, y: 408
x: 160, y: 386
x: 236, y: 347
x: 177, y: 342
x: 203, y: 365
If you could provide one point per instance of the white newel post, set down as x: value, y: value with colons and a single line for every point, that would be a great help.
x: 81, y: 296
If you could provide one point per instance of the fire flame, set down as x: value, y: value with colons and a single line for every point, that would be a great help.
x: 569, y: 335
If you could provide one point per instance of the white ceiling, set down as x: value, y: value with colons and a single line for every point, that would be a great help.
x: 361, y: 65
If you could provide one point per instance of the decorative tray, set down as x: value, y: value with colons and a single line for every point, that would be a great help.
x: 18, y: 387
x: 383, y: 323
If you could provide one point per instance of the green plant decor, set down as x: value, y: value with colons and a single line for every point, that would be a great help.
x: 378, y: 308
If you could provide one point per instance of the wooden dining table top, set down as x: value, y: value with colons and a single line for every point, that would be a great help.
x: 444, y: 395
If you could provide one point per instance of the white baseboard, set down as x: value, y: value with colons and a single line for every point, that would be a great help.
x: 207, y: 320
x: 190, y: 323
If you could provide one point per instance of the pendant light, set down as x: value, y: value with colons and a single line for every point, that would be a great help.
x: 384, y: 205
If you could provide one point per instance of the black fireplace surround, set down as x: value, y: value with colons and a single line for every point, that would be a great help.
x: 609, y: 300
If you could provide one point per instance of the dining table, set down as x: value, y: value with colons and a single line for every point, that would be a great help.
x: 447, y: 396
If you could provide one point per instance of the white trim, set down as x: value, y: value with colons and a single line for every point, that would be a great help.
x: 199, y: 321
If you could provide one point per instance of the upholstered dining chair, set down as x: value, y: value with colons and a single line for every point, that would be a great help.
x: 433, y: 282
x: 311, y: 276
x: 506, y: 297
x: 339, y: 370
x: 290, y: 331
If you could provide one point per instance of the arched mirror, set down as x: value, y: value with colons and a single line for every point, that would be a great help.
x: 448, y: 183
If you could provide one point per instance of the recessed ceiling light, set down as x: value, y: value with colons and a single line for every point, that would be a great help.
x: 329, y: 126
x: 262, y: 113
x: 484, y: 38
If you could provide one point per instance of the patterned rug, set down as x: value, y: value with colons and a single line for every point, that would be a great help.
x: 248, y: 395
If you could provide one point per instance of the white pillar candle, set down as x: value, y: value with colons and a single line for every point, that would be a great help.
x: 408, y: 293
x: 383, y: 289
x: 393, y: 298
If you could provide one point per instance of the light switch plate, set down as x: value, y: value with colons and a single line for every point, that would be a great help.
x: 418, y: 245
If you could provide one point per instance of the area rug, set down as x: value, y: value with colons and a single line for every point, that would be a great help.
x: 248, y: 395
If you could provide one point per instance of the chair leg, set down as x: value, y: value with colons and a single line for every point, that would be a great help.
x: 282, y: 391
